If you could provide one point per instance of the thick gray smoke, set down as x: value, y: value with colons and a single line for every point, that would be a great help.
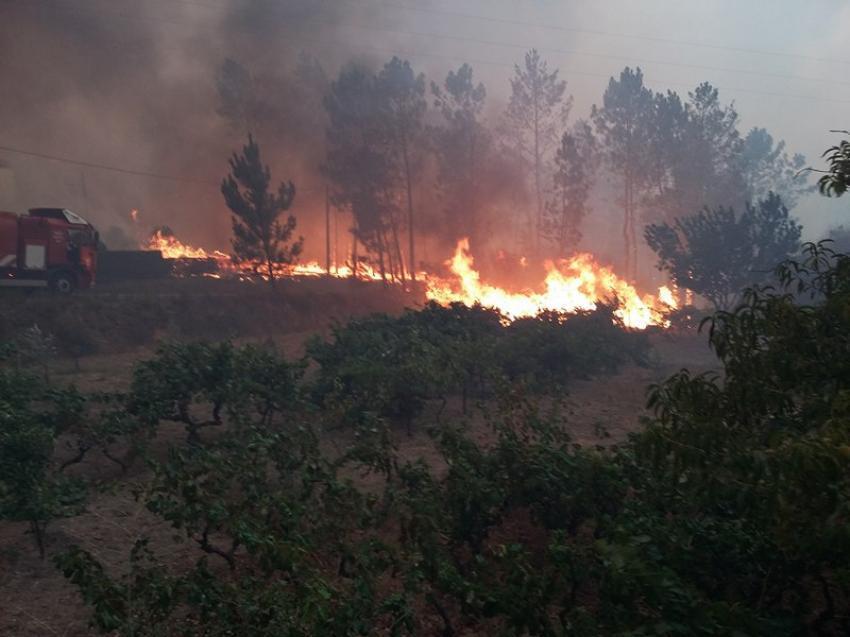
x: 132, y: 85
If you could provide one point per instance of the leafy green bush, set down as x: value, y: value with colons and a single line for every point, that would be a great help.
x: 31, y: 417
x: 379, y: 365
x: 726, y: 516
x: 551, y: 349
x: 199, y: 384
x: 391, y: 367
x: 296, y: 538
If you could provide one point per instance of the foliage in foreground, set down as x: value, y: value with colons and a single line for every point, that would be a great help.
x: 727, y: 516
x: 32, y: 415
x: 836, y: 178
x: 391, y: 366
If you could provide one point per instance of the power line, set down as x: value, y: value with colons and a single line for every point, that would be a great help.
x: 606, y: 56
x: 115, y: 169
x: 508, y: 65
x: 123, y: 171
x: 479, y: 41
x: 551, y: 27
x: 603, y: 75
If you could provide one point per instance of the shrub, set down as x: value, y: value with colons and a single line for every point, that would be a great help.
x: 391, y: 366
x: 31, y: 417
x: 199, y: 384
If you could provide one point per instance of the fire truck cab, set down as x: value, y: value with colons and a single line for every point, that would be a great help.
x: 49, y: 247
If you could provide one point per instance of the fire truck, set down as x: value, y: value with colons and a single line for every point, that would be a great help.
x: 49, y: 247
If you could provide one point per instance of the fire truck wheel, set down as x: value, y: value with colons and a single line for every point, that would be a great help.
x: 62, y: 282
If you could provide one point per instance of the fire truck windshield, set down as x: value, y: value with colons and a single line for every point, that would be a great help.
x: 74, y: 218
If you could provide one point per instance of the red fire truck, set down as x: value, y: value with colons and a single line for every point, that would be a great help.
x: 48, y: 247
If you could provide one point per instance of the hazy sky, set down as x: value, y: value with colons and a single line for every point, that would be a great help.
x: 131, y: 82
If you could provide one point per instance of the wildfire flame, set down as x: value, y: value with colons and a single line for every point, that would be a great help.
x: 574, y: 284
x: 173, y: 248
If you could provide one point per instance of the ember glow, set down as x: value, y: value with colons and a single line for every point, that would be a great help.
x: 570, y: 285
x: 573, y: 284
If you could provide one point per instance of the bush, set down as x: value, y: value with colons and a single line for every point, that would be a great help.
x: 551, y: 349
x: 31, y: 418
x: 391, y: 366
x: 727, y: 516
x: 199, y: 384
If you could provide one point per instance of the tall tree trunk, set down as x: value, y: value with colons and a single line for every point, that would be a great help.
x: 327, y: 232
x: 634, y: 244
x: 397, y: 247
x: 626, y: 224
x: 394, y: 247
x: 473, y: 191
x: 633, y: 233
x: 380, y: 235
x: 564, y: 222
x: 410, y: 225
x: 354, y: 254
x: 336, y: 241
x: 391, y: 262
x: 537, y: 176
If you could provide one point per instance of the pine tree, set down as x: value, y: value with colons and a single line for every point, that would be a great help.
x: 624, y: 126
x: 537, y: 113
x: 259, y: 235
x: 568, y: 204
x: 357, y: 161
x: 462, y: 144
x: 767, y: 167
x: 402, y: 100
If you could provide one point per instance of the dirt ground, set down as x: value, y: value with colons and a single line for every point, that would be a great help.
x: 35, y: 599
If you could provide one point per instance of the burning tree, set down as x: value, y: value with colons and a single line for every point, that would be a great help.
x: 259, y: 236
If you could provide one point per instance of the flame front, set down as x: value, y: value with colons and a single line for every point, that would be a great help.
x: 173, y: 248
x: 571, y: 285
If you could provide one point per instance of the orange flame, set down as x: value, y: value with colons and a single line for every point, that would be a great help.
x: 173, y: 248
x: 574, y: 284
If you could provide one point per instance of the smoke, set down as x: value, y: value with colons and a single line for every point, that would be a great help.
x: 132, y: 85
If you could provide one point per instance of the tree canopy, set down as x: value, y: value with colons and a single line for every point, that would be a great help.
x: 259, y: 234
x: 717, y: 252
